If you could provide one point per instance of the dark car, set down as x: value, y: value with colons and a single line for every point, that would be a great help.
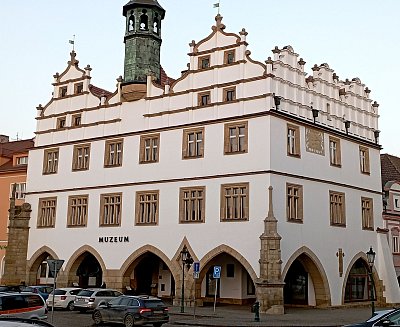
x: 390, y: 317
x: 11, y: 288
x: 42, y: 290
x: 132, y: 310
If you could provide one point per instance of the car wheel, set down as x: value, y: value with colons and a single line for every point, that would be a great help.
x: 70, y: 306
x: 129, y: 321
x: 97, y: 318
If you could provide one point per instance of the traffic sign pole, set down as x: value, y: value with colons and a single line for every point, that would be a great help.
x: 55, y: 266
x: 196, y: 275
x: 216, y: 276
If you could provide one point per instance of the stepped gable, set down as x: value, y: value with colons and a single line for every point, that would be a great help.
x: 390, y: 168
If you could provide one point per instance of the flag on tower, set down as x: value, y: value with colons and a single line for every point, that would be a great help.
x: 71, y: 42
x: 216, y: 5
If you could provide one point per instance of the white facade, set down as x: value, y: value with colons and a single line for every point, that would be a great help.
x: 170, y: 110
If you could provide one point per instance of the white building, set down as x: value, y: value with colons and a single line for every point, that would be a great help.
x: 120, y: 183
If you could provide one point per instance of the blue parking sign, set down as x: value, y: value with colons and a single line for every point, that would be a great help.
x: 196, y: 267
x: 217, y: 272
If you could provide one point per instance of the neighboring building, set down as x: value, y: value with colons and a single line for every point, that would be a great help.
x: 254, y: 167
x: 391, y: 204
x: 13, y: 168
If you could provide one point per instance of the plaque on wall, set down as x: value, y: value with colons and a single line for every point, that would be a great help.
x: 315, y: 141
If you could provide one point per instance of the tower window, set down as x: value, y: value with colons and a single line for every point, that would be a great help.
x: 131, y: 23
x: 156, y: 24
x: 144, y: 21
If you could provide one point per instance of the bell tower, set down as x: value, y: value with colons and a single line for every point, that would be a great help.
x: 142, y: 40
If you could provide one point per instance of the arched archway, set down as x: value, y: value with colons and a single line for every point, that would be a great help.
x: 237, y: 282
x: 305, y: 279
x: 357, y: 284
x: 85, y: 268
x: 38, y: 272
x: 149, y: 271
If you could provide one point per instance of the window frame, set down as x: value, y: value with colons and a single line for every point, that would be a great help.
x: 75, y: 166
x: 364, y: 160
x: 335, y: 159
x: 63, y: 91
x: 74, y: 118
x: 367, y: 219
x: 142, y: 151
x: 227, y: 91
x: 20, y: 190
x: 53, y: 168
x: 53, y: 212
x: 200, y: 101
x: 334, y: 220
x: 83, y: 223
x: 226, y: 57
x: 227, y: 138
x: 201, y: 61
x: 182, y: 206
x: 223, y: 208
x: 21, y: 158
x: 290, y: 206
x: 198, y: 144
x: 61, y: 122
x: 116, y: 220
x: 139, y: 211
x: 78, y: 88
x: 293, y: 150
x: 116, y: 162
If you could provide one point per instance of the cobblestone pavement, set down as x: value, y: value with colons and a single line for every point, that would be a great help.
x: 235, y: 316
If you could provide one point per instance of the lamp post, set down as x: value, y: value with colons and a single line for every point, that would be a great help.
x: 187, y: 261
x: 371, y: 258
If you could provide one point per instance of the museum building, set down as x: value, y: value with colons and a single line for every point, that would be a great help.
x: 259, y: 168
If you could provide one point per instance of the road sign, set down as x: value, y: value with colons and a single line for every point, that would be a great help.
x: 55, y: 265
x: 196, y: 275
x: 196, y: 267
x: 217, y: 272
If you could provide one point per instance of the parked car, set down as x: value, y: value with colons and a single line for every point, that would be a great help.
x: 88, y: 299
x: 20, y: 322
x: 22, y: 305
x: 390, y: 317
x: 42, y: 290
x: 132, y: 310
x: 63, y: 298
x: 11, y: 288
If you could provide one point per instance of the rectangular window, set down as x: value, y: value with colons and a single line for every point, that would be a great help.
x: 192, y: 204
x: 337, y: 209
x: 80, y: 160
x: 294, y: 208
x: 61, y: 122
x: 22, y: 160
x: 50, y: 161
x: 113, y: 153
x: 235, y: 138
x: 78, y: 88
x: 364, y: 160
x: 334, y: 152
x: 204, y: 62
x: 367, y: 213
x: 193, y: 143
x: 47, y: 212
x: 235, y: 202
x: 62, y: 91
x: 77, y: 210
x: 230, y: 270
x: 147, y: 208
x: 229, y: 94
x: 229, y: 57
x: 204, y: 98
x: 149, y: 148
x: 111, y: 206
x: 76, y: 120
x: 293, y: 140
x: 395, y: 243
x: 20, y: 190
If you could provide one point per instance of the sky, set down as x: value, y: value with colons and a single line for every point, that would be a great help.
x: 357, y: 38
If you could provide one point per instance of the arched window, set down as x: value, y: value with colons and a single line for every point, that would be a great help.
x: 131, y: 23
x: 358, y: 286
x: 144, y: 21
x: 156, y: 24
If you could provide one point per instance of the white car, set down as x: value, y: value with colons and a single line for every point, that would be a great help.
x: 88, y: 299
x: 63, y: 298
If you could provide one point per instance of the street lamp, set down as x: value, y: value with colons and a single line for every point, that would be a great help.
x: 371, y: 258
x: 187, y: 261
